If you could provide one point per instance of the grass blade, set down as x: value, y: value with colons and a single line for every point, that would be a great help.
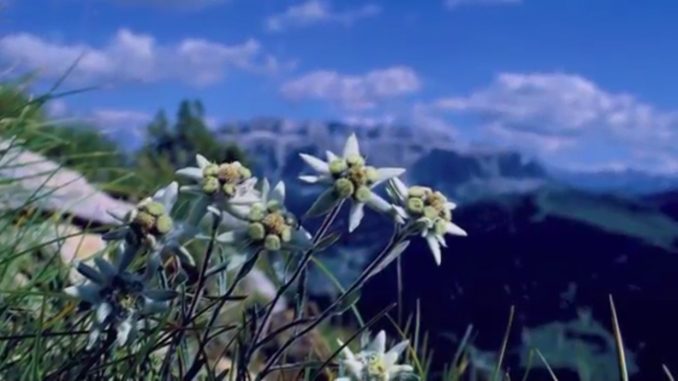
x: 623, y: 370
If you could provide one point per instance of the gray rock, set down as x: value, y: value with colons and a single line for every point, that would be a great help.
x: 31, y: 179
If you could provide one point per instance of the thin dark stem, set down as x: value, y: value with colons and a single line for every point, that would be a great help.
x: 395, y: 239
x: 196, y: 364
x: 186, y: 316
x: 327, y: 222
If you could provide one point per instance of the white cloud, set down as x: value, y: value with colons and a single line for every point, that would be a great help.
x: 136, y: 57
x: 355, y: 92
x: 554, y: 113
x: 313, y: 12
x: 453, y: 4
x: 122, y: 125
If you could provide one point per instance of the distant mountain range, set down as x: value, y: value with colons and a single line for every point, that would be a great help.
x: 428, y: 154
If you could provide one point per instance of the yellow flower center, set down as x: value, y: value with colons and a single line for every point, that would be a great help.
x: 229, y: 173
x: 274, y: 223
x: 432, y: 205
x: 376, y: 367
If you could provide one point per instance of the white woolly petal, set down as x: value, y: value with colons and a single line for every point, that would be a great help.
x: 453, y: 229
x: 265, y: 190
x: 240, y: 212
x: 228, y: 237
x: 103, y: 311
x: 245, y: 199
x: 399, y: 369
x: 309, y: 179
x: 301, y: 239
x: 86, y: 292
x: 401, y: 214
x: 107, y: 270
x: 315, y: 163
x: 434, y: 245
x: 400, y: 189
x: 192, y: 173
x: 378, y: 345
x: 351, y: 148
x: 202, y: 161
x: 346, y: 351
x: 354, y: 367
x: 278, y: 193
x: 391, y: 357
x: 384, y: 174
x: 126, y: 330
x: 450, y: 205
x: 330, y: 156
x: 169, y: 196
x: 377, y: 203
x: 93, y: 338
x: 356, y: 215
x: 248, y: 185
x: 441, y: 240
x: 196, y: 189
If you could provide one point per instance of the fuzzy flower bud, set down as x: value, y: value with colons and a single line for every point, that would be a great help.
x: 417, y: 191
x: 229, y: 189
x: 355, y: 160
x: 211, y: 170
x: 430, y: 212
x: 154, y: 208
x: 344, y: 187
x: 256, y: 231
x: 286, y: 234
x: 363, y: 194
x: 272, y: 242
x: 338, y: 166
x: 164, y: 224
x: 145, y: 220
x: 210, y: 185
x: 415, y: 205
x: 245, y: 173
x: 273, y: 206
x: 440, y: 226
x: 447, y: 214
x: 257, y: 212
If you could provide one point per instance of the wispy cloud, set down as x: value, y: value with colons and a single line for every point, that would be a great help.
x: 353, y: 92
x: 453, y: 4
x: 136, y: 57
x: 313, y: 12
x: 555, y: 112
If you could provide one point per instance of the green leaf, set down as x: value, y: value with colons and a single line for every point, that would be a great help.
x: 390, y: 257
x: 349, y: 301
x: 327, y: 241
x: 323, y: 204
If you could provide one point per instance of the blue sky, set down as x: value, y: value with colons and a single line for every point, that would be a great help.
x: 581, y: 84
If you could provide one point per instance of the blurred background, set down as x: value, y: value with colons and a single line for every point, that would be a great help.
x: 553, y: 124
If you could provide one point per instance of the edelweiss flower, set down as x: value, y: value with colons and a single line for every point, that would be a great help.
x: 373, y: 363
x: 429, y: 212
x: 350, y: 178
x: 151, y: 223
x: 267, y: 224
x: 119, y: 299
x: 226, y: 183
